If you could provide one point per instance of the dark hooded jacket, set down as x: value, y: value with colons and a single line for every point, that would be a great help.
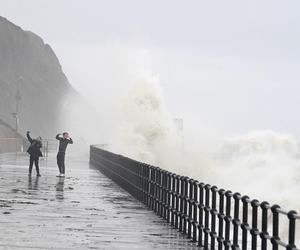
x: 35, y: 147
x: 63, y: 143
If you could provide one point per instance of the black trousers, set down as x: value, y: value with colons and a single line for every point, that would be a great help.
x: 34, y: 160
x: 61, y: 162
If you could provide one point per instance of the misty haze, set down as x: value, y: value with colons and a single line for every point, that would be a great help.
x: 149, y: 124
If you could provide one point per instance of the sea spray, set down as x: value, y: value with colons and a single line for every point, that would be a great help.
x: 262, y: 164
x: 145, y: 130
x: 266, y: 161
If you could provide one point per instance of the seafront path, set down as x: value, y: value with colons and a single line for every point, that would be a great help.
x: 84, y: 210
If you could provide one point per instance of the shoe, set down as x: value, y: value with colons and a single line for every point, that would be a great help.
x: 38, y: 175
x: 59, y: 175
x: 62, y: 175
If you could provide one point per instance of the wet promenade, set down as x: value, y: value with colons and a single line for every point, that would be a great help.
x: 85, y: 210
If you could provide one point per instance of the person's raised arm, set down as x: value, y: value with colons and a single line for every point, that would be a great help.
x: 58, y: 137
x: 29, y: 137
x: 70, y: 140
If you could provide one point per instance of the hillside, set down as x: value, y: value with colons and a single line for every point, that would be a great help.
x: 29, y: 66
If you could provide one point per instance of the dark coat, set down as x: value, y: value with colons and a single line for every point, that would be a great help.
x: 63, y: 143
x: 35, y: 148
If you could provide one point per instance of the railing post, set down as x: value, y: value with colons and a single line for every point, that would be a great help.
x: 152, y: 187
x: 228, y: 219
x: 254, y: 231
x: 245, y: 225
x: 221, y: 217
x: 157, y: 190
x: 206, y: 215
x: 190, y: 207
x: 213, y: 212
x: 173, y: 197
x: 177, y: 207
x: 201, y: 210
x: 163, y: 193
x: 168, y: 198
x: 236, y: 220
x: 264, y: 234
x: 275, y: 238
x: 159, y: 193
x: 181, y: 204
x: 140, y: 181
x: 195, y: 214
x: 292, y: 229
x: 147, y: 183
x: 185, y: 204
x: 166, y: 190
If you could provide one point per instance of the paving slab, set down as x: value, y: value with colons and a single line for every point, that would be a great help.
x: 85, y: 210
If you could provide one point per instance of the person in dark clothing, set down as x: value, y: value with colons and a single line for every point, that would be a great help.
x: 35, y: 153
x: 63, y: 143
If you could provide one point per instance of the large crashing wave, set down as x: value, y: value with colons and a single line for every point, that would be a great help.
x: 145, y: 131
x: 263, y: 164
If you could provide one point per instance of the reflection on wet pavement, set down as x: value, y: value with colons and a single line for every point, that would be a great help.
x: 60, y: 188
x: 85, y: 210
x: 33, y: 183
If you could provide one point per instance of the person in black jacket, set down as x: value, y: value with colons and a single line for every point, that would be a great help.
x: 34, y: 151
x: 63, y: 143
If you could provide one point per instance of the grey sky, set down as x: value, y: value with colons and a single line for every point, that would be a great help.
x: 231, y: 65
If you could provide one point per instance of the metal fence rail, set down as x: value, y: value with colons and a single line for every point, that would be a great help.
x: 212, y: 217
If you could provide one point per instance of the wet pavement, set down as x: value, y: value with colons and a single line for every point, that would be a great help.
x: 85, y: 210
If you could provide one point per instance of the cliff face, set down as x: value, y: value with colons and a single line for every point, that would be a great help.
x: 30, y: 74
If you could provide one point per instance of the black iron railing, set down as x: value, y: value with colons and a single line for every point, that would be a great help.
x: 212, y: 217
